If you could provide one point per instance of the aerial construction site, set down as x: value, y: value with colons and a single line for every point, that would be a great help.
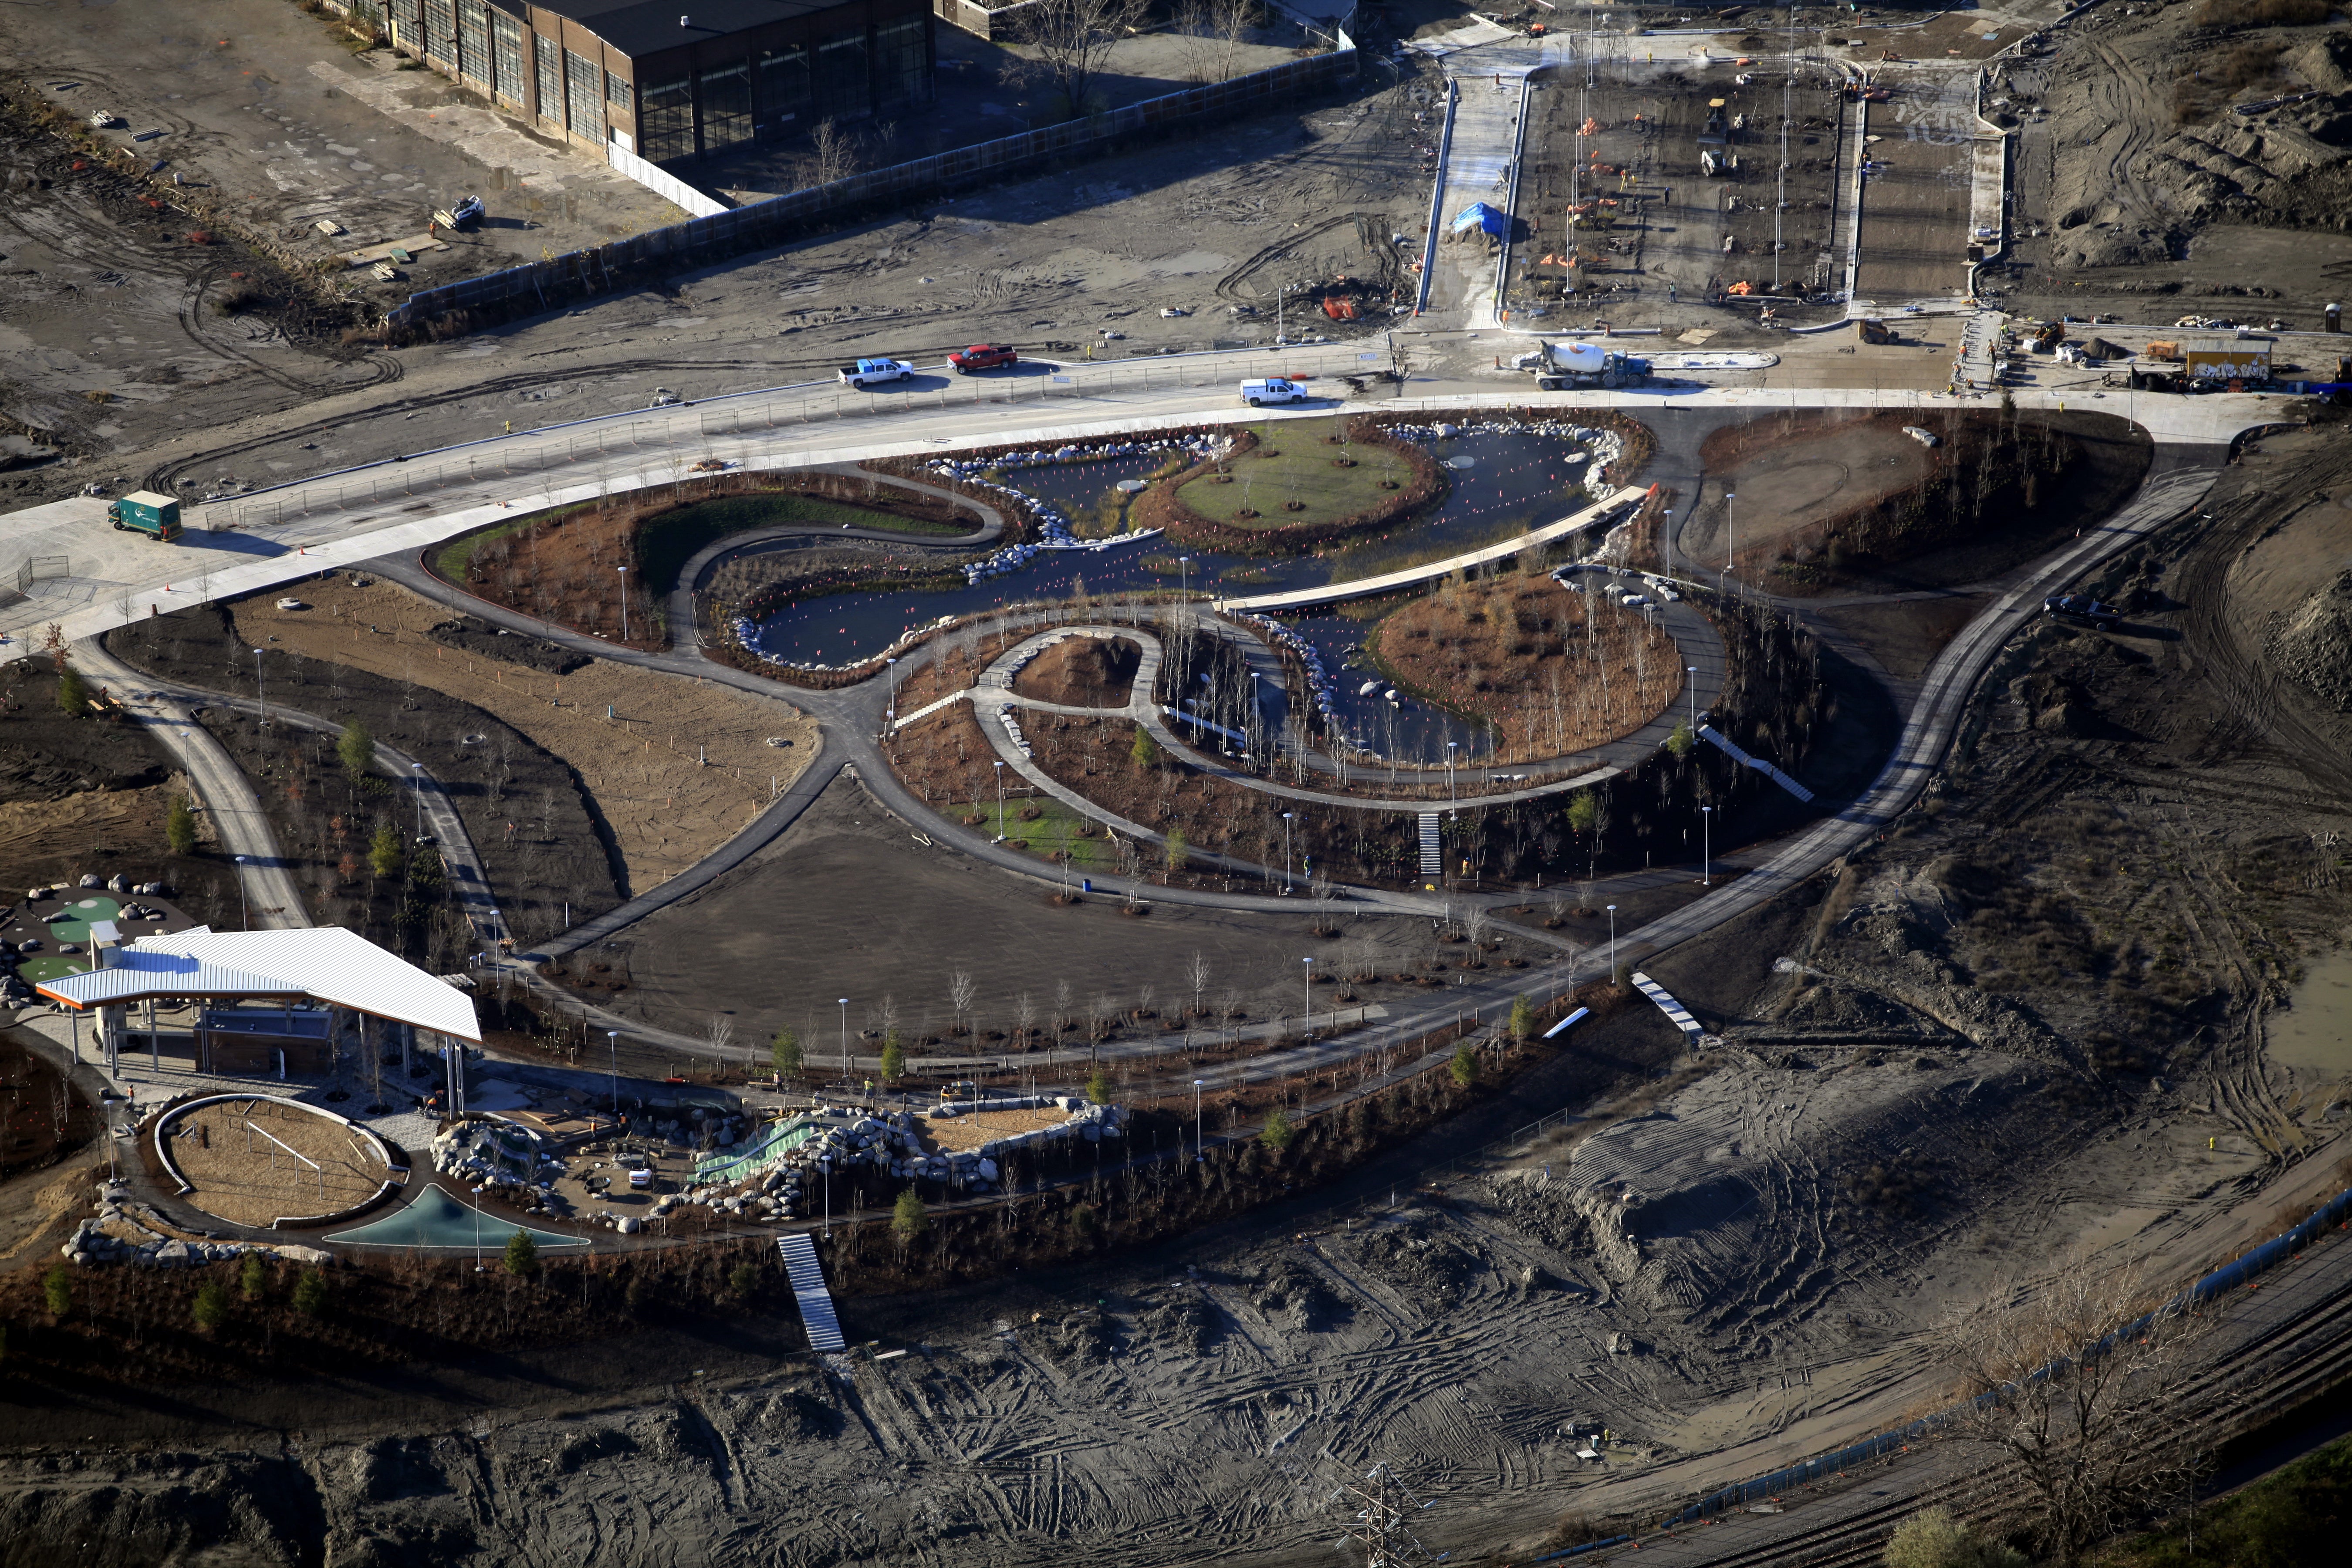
x: 1103, y: 782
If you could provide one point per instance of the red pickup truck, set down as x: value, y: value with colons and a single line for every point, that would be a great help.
x: 983, y: 356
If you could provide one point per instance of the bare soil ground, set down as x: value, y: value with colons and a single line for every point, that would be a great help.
x: 1650, y: 217
x: 1082, y: 672
x: 2142, y: 183
x: 242, y: 1177
x: 1847, y: 510
x: 898, y: 918
x: 673, y: 766
x: 43, y: 1118
x: 1906, y: 635
x: 1549, y: 671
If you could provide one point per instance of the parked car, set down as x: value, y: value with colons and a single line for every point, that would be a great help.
x: 1272, y: 389
x: 874, y: 372
x: 983, y: 356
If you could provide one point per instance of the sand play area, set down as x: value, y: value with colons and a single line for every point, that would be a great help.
x: 252, y: 1161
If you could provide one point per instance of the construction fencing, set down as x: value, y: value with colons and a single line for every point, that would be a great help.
x: 599, y: 269
x: 41, y: 569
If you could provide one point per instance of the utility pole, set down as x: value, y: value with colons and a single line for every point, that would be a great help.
x: 1380, y: 1506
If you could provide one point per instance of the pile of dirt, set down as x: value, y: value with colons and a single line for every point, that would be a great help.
x: 1293, y: 1297
x: 2313, y: 644
x: 1083, y: 1337
x: 1184, y: 1324
x: 1411, y: 1254
x: 1082, y: 672
x: 483, y: 640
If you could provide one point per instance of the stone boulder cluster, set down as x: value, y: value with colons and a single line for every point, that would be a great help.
x: 119, y: 1232
x: 476, y: 1153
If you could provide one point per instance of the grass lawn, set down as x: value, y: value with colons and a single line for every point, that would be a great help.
x: 1293, y: 463
x: 1055, y: 829
x: 43, y: 967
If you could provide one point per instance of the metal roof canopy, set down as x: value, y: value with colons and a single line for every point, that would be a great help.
x: 326, y: 964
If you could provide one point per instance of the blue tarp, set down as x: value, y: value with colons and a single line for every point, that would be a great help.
x: 1478, y: 214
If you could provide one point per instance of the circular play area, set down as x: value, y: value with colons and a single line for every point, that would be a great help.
x: 256, y: 1160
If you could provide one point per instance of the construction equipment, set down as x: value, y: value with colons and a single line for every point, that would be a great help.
x: 1873, y: 331
x: 145, y: 512
x: 2049, y: 336
x: 464, y: 215
x: 1560, y: 366
x: 2161, y: 349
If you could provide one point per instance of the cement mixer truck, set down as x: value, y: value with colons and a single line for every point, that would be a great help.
x: 1562, y: 367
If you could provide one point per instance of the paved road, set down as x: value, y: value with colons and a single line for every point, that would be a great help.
x: 272, y: 899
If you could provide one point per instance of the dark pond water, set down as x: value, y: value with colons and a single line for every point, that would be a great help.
x: 1504, y: 483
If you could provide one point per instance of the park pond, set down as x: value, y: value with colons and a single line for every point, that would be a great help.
x: 1503, y: 482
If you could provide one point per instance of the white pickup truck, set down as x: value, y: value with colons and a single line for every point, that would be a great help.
x: 873, y: 371
x: 1272, y: 389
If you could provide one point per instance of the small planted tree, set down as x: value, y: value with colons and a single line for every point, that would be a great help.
x: 785, y: 1053
x: 1145, y: 752
x: 1465, y: 1066
x: 522, y: 1255
x: 743, y: 1279
x: 210, y: 1308
x: 310, y: 1293
x: 909, y: 1217
x: 1098, y: 1087
x: 73, y: 692
x: 355, y: 749
x: 894, y: 1057
x: 1279, y: 1131
x: 1523, y: 1018
x: 180, y: 826
x: 1179, y: 850
x: 56, y: 1292
x: 1681, y: 741
x: 253, y: 1276
x: 385, y: 855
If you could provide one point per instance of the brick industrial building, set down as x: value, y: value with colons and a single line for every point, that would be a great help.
x: 672, y: 80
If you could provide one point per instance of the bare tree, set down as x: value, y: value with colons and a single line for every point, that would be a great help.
x: 960, y: 991
x: 1070, y: 43
x: 1099, y: 1013
x: 1477, y: 924
x: 833, y: 154
x: 2076, y: 1382
x: 1212, y: 32
x: 1196, y: 974
x: 721, y: 1034
x: 1061, y: 1005
x: 1024, y: 1016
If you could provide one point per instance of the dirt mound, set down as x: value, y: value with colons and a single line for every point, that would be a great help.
x: 1293, y: 1296
x: 1186, y: 1324
x: 2312, y: 645
x: 484, y: 641
x: 1437, y: 1268
x: 1083, y: 672
x: 1086, y: 1337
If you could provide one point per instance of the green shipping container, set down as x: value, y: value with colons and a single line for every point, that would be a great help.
x: 145, y: 512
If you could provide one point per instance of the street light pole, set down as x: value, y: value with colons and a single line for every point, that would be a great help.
x: 1612, y: 945
x: 999, y: 803
x: 244, y: 904
x: 1285, y: 853
x: 1199, y: 1143
x: 1706, y: 849
x: 613, y: 1042
x: 260, y: 699
x: 845, y: 1039
x: 1309, y: 988
x: 624, y: 604
x: 1450, y: 803
x: 1690, y: 674
x: 419, y: 768
x: 1730, y: 532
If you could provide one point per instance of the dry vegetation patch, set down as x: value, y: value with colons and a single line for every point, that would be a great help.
x: 1082, y: 672
x: 254, y: 1161
x: 678, y: 767
x: 1551, y: 672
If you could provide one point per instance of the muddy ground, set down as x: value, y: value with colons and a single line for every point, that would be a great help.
x: 2152, y: 199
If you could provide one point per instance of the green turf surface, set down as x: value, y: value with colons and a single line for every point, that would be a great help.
x: 47, y: 966
x: 1304, y: 468
x: 98, y: 907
